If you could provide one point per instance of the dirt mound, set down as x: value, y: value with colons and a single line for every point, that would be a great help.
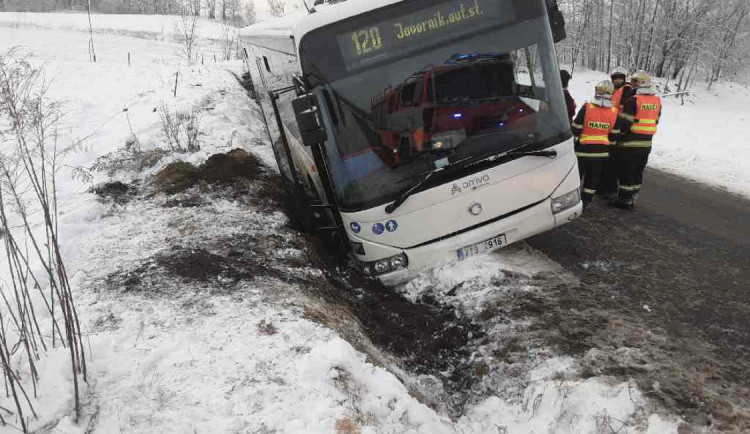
x: 223, y: 169
x: 117, y: 192
x: 176, y: 177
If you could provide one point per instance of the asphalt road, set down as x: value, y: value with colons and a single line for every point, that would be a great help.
x: 685, y: 253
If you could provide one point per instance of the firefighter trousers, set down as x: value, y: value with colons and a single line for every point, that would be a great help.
x: 608, y: 178
x: 632, y: 163
x: 590, y: 168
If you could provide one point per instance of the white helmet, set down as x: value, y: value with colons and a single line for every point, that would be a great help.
x: 619, y: 71
x: 604, y: 89
x: 603, y: 93
x: 642, y: 79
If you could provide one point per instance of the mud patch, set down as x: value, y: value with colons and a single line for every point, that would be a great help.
x: 114, y: 192
x: 428, y: 339
x: 222, y: 266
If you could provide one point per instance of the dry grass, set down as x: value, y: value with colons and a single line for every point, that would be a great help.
x: 346, y: 426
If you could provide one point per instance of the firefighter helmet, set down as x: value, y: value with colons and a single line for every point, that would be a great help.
x: 619, y: 71
x: 641, y: 79
x: 604, y: 89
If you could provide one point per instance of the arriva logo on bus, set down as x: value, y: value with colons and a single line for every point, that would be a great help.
x: 471, y: 184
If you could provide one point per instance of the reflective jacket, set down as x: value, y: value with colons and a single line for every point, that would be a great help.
x: 639, y: 121
x: 595, y: 128
x: 621, y: 95
x: 648, y: 111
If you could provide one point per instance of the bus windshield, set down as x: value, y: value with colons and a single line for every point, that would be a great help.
x: 403, y: 92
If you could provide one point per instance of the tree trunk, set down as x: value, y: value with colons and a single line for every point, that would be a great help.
x: 609, y: 49
x: 92, y: 53
x: 212, y: 9
x: 639, y: 18
x: 651, y: 37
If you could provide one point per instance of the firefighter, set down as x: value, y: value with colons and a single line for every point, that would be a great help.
x: 596, y: 131
x: 638, y: 123
x: 623, y: 91
x: 569, y: 101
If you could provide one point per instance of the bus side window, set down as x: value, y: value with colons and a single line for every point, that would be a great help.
x: 265, y: 62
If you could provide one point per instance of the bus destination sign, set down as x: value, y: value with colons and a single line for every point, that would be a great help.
x: 364, y: 46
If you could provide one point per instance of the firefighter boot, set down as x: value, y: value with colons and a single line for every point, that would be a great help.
x: 622, y: 204
x: 587, y: 196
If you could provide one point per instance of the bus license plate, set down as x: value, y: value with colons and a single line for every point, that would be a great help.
x: 483, y: 247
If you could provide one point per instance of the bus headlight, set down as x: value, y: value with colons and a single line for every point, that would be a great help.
x: 381, y: 266
x: 386, y: 265
x: 398, y: 261
x: 566, y: 201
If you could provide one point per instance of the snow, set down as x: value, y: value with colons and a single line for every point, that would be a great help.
x: 703, y: 140
x: 159, y: 27
x: 180, y: 356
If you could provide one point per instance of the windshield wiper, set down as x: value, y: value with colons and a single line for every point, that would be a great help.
x: 466, y: 162
x: 518, y: 152
x: 426, y: 177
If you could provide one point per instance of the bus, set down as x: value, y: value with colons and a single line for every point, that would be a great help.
x: 419, y: 132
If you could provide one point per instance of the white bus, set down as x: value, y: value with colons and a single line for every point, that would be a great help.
x: 426, y: 130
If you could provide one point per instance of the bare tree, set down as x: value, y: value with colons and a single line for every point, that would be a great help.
x: 211, y: 4
x: 277, y: 7
x: 250, y: 14
x: 676, y: 39
x: 29, y: 165
x: 186, y: 30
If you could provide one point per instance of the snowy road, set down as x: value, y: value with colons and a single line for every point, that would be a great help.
x: 677, y: 267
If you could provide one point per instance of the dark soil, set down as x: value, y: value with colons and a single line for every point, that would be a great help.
x: 176, y: 177
x: 220, y: 169
x: 220, y: 266
x: 427, y: 337
x: 115, y: 192
x: 246, y: 82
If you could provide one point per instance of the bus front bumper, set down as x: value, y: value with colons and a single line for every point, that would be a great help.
x: 515, y: 228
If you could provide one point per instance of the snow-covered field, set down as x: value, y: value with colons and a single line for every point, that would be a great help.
x: 226, y: 354
x: 703, y: 140
x: 159, y: 27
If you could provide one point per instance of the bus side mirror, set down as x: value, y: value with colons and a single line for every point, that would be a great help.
x: 556, y: 21
x: 309, y: 124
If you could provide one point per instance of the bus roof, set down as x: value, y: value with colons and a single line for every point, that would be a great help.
x: 298, y: 24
